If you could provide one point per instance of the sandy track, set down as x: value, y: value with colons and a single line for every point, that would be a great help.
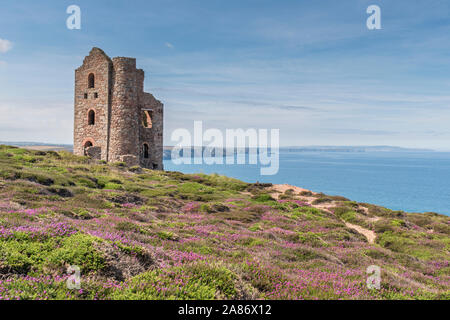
x: 282, y: 188
x: 369, y: 234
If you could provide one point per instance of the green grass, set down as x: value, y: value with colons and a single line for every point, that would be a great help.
x: 168, y: 235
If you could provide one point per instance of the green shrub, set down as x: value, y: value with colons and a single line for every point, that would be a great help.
x: 322, y: 200
x: 113, y: 186
x: 252, y: 242
x: 85, y: 182
x: 398, y: 223
x: 263, y: 198
x: 376, y: 254
x: 82, y: 213
x: 127, y: 226
x: 119, y: 164
x: 201, y: 281
x: 21, y: 256
x: 255, y: 227
x: 349, y: 216
x: 382, y: 226
x: 394, y: 241
x: 80, y: 250
x: 194, y: 187
x: 167, y: 235
x: 311, y: 239
x: 24, y: 254
x: 37, y: 177
x: 206, y: 208
x: 25, y: 158
x: 305, y: 254
x: 309, y: 213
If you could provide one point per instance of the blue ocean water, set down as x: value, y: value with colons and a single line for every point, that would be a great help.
x: 409, y: 181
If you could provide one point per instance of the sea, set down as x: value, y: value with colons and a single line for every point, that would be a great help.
x: 408, y: 181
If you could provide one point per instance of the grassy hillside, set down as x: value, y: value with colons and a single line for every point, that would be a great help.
x: 142, y: 234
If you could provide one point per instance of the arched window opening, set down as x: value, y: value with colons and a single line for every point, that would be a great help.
x: 91, y: 81
x: 147, y: 116
x: 145, y: 151
x: 87, y: 145
x: 91, y: 117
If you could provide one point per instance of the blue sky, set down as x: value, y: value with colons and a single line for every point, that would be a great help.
x: 310, y: 68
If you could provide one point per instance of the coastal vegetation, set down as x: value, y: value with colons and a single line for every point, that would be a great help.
x: 143, y: 234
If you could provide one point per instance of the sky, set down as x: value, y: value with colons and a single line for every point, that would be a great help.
x: 309, y: 68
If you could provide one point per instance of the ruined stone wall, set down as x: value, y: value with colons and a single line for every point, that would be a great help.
x: 124, y: 139
x: 119, y: 101
x: 94, y: 152
x: 153, y: 136
x: 97, y: 99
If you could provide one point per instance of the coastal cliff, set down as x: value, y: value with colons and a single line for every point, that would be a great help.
x: 143, y: 234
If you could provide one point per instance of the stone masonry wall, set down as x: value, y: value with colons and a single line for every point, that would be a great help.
x: 124, y: 116
x: 119, y: 101
x: 99, y: 65
x: 153, y: 136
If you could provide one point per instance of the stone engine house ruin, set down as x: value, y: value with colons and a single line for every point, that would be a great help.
x: 115, y: 120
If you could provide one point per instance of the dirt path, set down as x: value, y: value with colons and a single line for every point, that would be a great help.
x: 282, y: 188
x: 369, y: 234
x: 373, y: 219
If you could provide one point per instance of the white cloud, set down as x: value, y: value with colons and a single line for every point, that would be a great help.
x: 313, y: 102
x: 169, y: 45
x: 5, y: 45
x: 46, y: 121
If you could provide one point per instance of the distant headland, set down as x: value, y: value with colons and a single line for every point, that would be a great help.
x: 43, y: 146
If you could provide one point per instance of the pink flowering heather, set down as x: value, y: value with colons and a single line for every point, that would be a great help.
x: 201, y: 237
